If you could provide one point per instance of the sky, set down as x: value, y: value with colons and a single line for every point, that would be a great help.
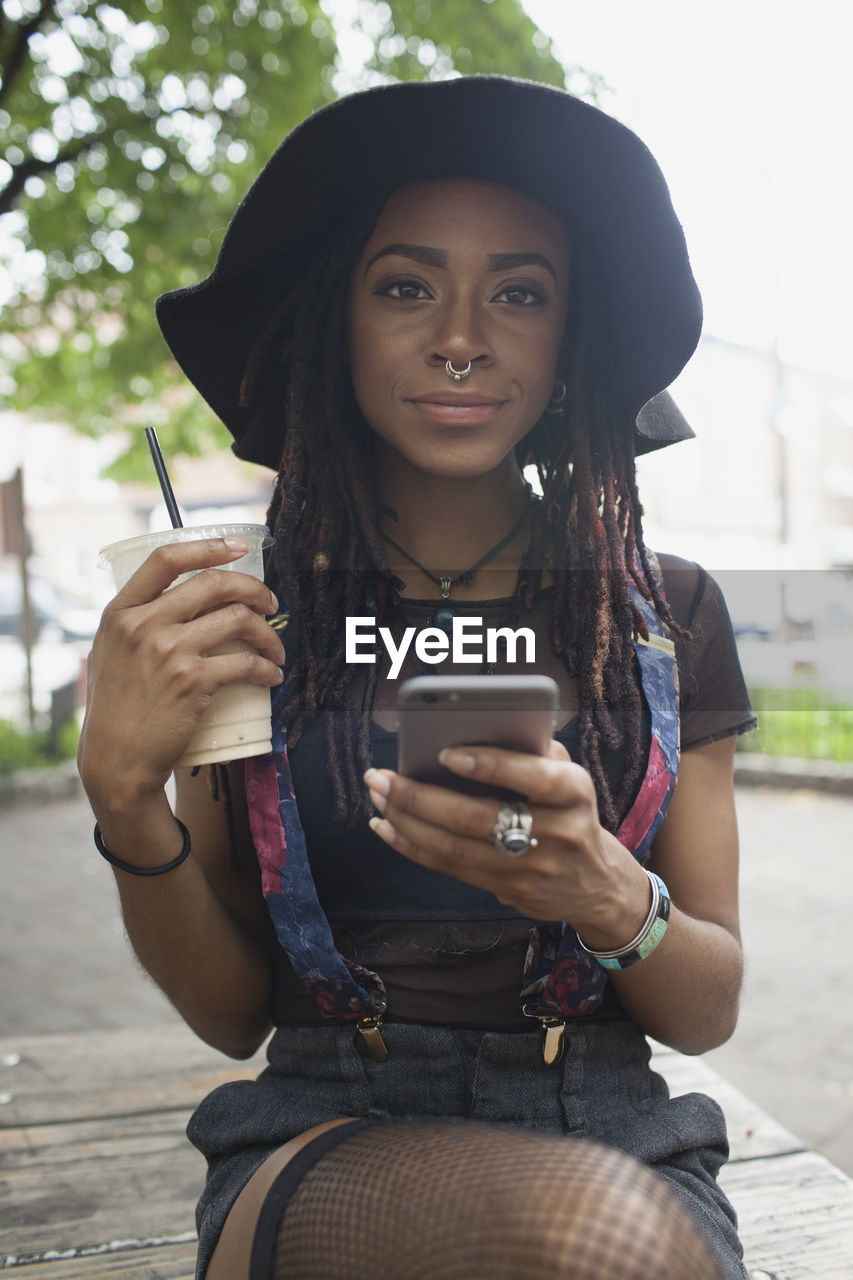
x: 748, y: 107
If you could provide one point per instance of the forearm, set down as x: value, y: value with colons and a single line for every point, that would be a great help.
x: 685, y: 993
x: 218, y: 978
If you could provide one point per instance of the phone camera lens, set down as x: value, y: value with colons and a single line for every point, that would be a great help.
x: 430, y: 697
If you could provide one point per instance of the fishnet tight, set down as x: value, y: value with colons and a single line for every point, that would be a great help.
x: 418, y: 1199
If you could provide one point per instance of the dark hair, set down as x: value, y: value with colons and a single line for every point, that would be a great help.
x: 328, y: 559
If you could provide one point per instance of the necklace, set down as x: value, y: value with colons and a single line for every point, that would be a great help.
x: 447, y: 584
x: 442, y: 616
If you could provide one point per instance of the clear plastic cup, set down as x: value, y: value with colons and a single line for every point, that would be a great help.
x: 237, y: 722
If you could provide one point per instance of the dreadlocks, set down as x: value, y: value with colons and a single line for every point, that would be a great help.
x: 328, y: 559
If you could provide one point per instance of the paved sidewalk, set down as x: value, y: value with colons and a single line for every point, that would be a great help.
x: 66, y: 966
x: 793, y: 1049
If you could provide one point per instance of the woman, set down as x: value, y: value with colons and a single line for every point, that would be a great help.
x: 428, y: 287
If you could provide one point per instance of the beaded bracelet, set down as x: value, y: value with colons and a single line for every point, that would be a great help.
x: 653, y: 929
x: 143, y: 871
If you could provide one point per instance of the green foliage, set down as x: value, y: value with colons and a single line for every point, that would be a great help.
x: 807, y: 723
x: 130, y: 132
x: 20, y: 750
x: 147, y: 116
x: 436, y: 37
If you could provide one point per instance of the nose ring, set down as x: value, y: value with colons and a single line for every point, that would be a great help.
x: 457, y: 374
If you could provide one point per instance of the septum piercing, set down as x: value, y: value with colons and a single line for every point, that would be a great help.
x: 457, y: 374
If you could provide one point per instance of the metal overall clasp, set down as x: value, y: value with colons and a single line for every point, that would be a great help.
x: 370, y: 1030
x: 555, y: 1035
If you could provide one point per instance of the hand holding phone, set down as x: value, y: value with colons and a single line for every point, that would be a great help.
x: 516, y: 713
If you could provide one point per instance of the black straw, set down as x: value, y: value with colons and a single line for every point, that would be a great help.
x: 163, y: 477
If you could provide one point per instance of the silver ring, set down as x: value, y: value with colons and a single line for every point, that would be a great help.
x: 457, y: 374
x: 511, y: 834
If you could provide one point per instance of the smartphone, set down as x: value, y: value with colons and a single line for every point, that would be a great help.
x: 515, y: 712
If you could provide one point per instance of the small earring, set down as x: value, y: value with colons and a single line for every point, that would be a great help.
x: 557, y: 403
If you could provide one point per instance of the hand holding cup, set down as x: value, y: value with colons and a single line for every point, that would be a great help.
x: 183, y: 660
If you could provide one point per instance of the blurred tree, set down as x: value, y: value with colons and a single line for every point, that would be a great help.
x: 130, y: 132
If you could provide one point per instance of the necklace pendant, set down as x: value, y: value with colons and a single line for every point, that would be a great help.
x: 446, y: 584
x: 442, y: 617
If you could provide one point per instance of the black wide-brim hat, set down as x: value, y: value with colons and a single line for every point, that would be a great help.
x: 590, y: 169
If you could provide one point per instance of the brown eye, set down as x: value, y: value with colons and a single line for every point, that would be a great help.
x: 406, y: 290
x: 519, y: 295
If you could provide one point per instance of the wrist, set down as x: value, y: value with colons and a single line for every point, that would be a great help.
x: 137, y: 869
x: 143, y: 834
x: 115, y: 785
x: 123, y: 802
x: 619, y: 911
x: 646, y: 940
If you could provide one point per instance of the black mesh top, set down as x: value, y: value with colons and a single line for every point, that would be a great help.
x: 446, y: 951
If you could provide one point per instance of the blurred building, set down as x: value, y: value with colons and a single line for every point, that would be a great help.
x: 72, y: 511
x: 768, y: 482
x: 763, y: 498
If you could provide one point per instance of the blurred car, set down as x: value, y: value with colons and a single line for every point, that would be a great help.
x: 55, y: 618
x: 759, y: 630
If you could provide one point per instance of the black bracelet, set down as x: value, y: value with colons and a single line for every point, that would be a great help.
x: 143, y: 871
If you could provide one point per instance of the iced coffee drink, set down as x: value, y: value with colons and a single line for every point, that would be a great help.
x: 236, y: 724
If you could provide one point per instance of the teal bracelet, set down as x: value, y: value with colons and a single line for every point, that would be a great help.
x: 650, y: 935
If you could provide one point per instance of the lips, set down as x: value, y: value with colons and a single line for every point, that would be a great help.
x: 458, y: 408
x: 461, y: 399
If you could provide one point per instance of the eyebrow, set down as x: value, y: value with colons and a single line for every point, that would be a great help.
x: 509, y: 261
x: 438, y: 258
x: 418, y: 252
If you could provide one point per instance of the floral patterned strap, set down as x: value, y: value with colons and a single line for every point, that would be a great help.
x: 560, y: 978
x: 340, y: 988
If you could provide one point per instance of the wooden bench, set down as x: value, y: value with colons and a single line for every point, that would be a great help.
x: 98, y: 1180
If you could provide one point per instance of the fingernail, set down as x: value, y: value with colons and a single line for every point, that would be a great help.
x: 236, y: 544
x: 453, y: 758
x: 274, y: 599
x: 377, y: 781
x: 382, y: 828
x: 378, y: 801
